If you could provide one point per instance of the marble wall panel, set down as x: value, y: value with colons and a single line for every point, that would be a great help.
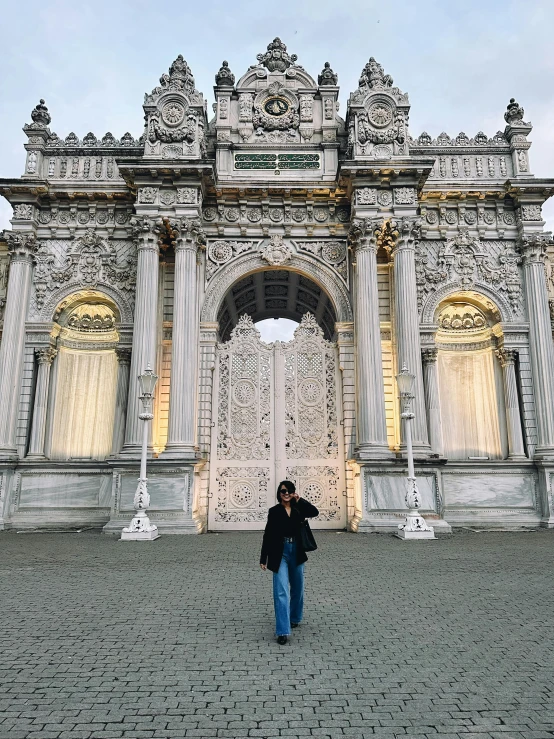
x: 489, y: 491
x: 64, y: 491
x: 388, y: 492
x: 168, y: 492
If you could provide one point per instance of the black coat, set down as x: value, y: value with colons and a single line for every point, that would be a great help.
x: 274, y: 534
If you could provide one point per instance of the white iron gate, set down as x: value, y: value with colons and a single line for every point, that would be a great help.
x: 277, y: 416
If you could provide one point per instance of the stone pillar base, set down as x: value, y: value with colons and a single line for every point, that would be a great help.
x: 546, y: 494
x: 382, y: 506
x: 8, y: 454
x: 181, y: 525
x: 132, y: 451
x: 373, y: 452
x: 171, y: 487
x: 375, y: 522
x: 186, y: 453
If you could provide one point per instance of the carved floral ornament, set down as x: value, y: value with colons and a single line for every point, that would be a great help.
x: 373, y: 196
x: 463, y: 263
x: 91, y: 261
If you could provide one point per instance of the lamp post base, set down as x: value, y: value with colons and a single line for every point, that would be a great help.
x: 140, y: 529
x: 143, y: 531
x: 415, y: 527
x: 415, y: 535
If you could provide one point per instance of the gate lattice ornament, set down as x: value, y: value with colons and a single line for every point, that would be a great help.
x: 278, y: 408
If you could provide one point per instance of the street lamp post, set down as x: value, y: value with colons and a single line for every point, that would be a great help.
x: 140, y: 528
x: 415, y: 526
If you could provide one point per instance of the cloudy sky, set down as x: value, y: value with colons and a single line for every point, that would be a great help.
x: 460, y: 62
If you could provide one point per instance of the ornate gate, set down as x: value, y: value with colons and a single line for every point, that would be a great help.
x: 277, y: 416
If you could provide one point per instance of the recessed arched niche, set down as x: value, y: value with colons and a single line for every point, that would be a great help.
x: 84, y: 379
x: 470, y: 378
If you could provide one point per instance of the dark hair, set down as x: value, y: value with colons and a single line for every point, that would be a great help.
x: 290, y: 486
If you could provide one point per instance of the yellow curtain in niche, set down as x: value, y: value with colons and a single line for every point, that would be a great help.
x: 469, y: 404
x: 84, y: 404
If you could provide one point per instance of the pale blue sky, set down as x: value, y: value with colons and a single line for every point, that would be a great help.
x: 460, y: 62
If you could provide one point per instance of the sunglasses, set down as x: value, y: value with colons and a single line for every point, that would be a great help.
x: 285, y: 492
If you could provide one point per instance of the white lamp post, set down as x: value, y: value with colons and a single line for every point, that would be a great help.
x: 140, y: 528
x: 415, y: 526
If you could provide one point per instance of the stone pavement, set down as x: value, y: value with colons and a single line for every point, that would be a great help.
x: 174, y: 638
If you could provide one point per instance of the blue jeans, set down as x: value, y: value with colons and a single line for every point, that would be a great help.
x: 288, y: 591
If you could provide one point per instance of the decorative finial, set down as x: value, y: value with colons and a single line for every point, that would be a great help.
x: 374, y: 76
x: 225, y: 78
x: 327, y: 76
x: 179, y: 78
x: 276, y: 58
x: 514, y: 112
x: 40, y: 114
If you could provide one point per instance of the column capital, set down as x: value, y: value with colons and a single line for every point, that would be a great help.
x: 371, y: 233
x: 406, y: 231
x: 145, y: 233
x: 22, y: 245
x: 533, y: 247
x: 506, y: 356
x: 182, y: 233
x: 429, y: 355
x: 191, y: 234
x: 123, y: 355
x: 46, y: 355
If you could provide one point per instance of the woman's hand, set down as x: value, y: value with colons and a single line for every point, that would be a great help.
x: 296, y: 497
x: 264, y: 567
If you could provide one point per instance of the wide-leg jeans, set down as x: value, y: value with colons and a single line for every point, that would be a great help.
x: 288, y: 591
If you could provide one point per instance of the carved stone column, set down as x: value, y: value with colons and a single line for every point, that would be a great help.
x: 22, y: 246
x: 144, y: 328
x: 181, y: 438
x: 38, y: 432
x: 371, y: 420
x: 407, y: 323
x: 507, y: 359
x: 432, y: 400
x: 533, y: 249
x: 122, y: 392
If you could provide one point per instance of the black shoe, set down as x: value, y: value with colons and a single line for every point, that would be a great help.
x: 282, y: 639
x: 295, y: 626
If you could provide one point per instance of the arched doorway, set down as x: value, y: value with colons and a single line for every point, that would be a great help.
x: 276, y: 408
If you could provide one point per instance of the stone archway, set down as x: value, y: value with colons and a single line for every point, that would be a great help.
x: 256, y: 290
x: 302, y: 264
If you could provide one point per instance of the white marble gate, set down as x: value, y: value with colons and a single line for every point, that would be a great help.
x: 277, y: 416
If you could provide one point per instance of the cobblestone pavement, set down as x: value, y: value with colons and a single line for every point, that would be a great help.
x: 101, y: 638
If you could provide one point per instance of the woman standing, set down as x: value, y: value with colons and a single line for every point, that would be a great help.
x: 284, y: 555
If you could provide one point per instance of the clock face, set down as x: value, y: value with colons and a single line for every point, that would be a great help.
x: 276, y: 106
